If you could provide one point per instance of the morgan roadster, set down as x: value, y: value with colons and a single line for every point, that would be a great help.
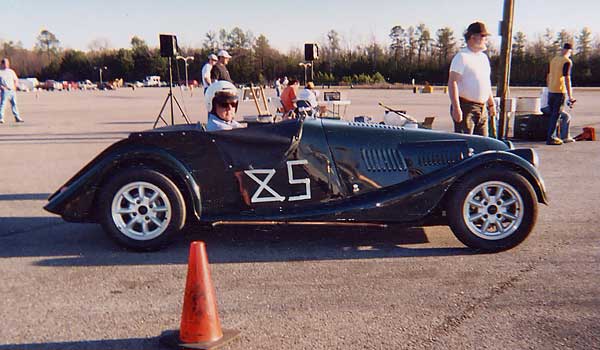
x: 144, y: 189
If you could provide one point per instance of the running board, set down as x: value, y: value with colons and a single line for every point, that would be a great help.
x: 299, y: 223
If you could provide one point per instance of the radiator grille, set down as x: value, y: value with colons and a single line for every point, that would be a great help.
x: 383, y: 159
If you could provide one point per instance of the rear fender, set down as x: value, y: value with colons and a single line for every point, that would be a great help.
x: 75, y: 200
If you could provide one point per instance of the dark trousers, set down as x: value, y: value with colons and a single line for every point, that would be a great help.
x: 474, y: 119
x: 555, y: 104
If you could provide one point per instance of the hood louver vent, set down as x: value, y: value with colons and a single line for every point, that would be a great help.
x: 440, y: 158
x: 375, y: 126
x: 383, y: 159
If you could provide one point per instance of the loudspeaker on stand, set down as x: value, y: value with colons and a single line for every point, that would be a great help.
x: 168, y: 45
x: 311, y: 52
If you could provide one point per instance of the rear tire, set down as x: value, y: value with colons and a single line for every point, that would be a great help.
x: 142, y: 209
x: 492, y: 209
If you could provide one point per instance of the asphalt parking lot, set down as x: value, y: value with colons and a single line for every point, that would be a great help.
x: 67, y: 286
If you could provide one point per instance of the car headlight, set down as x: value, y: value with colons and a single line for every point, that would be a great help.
x: 509, y: 144
x: 528, y: 154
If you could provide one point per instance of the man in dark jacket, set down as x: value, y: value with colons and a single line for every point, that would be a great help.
x: 219, y: 71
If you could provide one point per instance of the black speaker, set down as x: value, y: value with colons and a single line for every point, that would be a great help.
x: 168, y: 45
x: 311, y: 52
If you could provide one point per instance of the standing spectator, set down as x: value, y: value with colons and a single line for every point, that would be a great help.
x: 289, y: 96
x: 470, y: 85
x: 206, y: 70
x: 559, y: 84
x: 564, y: 117
x: 285, y: 82
x: 219, y: 70
x: 8, y: 85
x: 278, y: 87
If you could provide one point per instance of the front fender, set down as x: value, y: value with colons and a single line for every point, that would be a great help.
x: 511, y: 159
x: 74, y: 201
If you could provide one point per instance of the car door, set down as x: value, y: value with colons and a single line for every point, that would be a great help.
x: 278, y: 173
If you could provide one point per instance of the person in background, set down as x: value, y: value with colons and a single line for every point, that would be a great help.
x: 564, y: 118
x: 219, y: 70
x: 289, y: 96
x: 285, y: 82
x: 559, y: 88
x: 470, y: 85
x: 278, y: 87
x: 221, y: 103
x: 8, y: 88
x: 309, y: 94
x: 206, y: 70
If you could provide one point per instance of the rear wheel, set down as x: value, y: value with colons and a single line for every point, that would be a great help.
x: 492, y: 209
x: 142, y: 209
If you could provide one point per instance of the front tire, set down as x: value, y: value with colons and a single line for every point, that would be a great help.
x: 492, y: 209
x: 142, y: 209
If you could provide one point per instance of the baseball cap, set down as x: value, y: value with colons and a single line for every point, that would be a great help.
x: 212, y: 56
x: 224, y: 53
x: 478, y: 28
x: 568, y: 46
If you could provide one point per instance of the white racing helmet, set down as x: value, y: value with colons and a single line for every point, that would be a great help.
x: 221, y: 86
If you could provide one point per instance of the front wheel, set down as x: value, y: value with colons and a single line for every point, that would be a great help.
x: 492, y: 209
x: 142, y: 209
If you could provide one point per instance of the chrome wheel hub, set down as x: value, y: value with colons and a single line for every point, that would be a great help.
x: 141, y: 211
x: 493, y: 210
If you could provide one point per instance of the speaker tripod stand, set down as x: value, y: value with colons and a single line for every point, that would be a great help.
x: 170, y: 97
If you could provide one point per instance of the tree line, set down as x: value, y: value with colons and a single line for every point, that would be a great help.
x: 411, y: 53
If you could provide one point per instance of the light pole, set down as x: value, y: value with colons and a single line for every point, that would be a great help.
x: 305, y: 65
x: 100, y: 69
x: 185, y: 60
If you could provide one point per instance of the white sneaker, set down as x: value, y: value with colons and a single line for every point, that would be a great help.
x: 568, y: 140
x: 1, y: 121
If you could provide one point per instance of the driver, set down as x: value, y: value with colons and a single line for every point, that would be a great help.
x: 221, y: 103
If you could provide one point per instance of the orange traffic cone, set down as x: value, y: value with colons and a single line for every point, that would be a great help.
x: 588, y: 134
x: 200, y: 325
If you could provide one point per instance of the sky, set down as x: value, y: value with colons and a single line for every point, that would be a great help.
x: 287, y: 24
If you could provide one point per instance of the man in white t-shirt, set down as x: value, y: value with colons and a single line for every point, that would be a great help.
x: 8, y: 87
x: 206, y: 69
x: 469, y: 84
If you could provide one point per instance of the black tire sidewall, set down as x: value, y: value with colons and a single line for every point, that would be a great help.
x: 126, y: 176
x: 459, y: 193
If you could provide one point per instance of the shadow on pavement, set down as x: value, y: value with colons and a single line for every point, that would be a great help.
x: 110, y: 344
x: 58, y: 243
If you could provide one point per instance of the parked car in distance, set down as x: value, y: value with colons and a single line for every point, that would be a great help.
x: 87, y: 85
x: 106, y: 85
x: 27, y: 84
x: 152, y: 81
x: 52, y: 85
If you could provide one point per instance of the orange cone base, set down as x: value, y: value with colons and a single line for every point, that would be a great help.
x: 171, y: 340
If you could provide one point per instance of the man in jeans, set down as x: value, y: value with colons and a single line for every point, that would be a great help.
x: 559, y: 84
x: 469, y: 84
x: 564, y: 118
x: 8, y: 86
